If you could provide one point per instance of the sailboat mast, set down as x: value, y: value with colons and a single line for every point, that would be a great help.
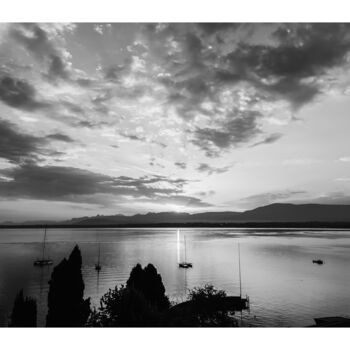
x: 44, y: 242
x: 99, y: 251
x: 178, y: 242
x: 185, y: 249
x: 239, y: 265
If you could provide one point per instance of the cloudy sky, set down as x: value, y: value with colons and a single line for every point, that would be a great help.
x: 127, y: 118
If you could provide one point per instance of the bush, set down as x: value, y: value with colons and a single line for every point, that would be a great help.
x: 207, y: 305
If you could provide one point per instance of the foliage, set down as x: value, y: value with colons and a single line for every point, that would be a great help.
x: 207, y: 304
x: 125, y: 307
x: 141, y: 303
x: 24, y: 312
x: 66, y: 305
x: 205, y: 294
x: 149, y: 283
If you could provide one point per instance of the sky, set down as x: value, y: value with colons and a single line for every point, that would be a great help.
x: 125, y: 118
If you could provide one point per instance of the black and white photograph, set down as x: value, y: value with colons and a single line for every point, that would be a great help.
x: 175, y: 174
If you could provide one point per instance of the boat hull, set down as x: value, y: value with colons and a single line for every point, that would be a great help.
x: 185, y: 265
x: 44, y: 262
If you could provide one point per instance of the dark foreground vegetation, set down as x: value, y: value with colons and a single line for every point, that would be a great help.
x: 142, y: 302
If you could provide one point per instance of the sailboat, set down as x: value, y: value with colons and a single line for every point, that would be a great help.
x: 185, y: 264
x: 43, y: 261
x: 98, y: 266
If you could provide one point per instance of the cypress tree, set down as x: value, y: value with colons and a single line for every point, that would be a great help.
x: 66, y: 304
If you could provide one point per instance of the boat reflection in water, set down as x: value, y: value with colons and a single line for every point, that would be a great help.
x: 43, y: 261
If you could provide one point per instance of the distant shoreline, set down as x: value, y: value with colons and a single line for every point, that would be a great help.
x: 301, y: 225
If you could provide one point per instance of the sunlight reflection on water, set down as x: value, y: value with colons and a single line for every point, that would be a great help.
x: 284, y: 287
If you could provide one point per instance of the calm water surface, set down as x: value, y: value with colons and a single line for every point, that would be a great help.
x: 284, y: 287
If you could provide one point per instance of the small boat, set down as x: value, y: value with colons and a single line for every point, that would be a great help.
x: 185, y: 264
x: 43, y: 261
x: 98, y: 266
x: 318, y: 262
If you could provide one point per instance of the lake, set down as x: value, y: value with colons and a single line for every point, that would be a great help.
x: 285, y: 288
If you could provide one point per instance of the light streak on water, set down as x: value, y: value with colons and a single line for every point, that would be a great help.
x: 178, y: 246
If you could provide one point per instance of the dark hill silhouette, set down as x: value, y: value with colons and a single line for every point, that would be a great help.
x: 278, y: 212
x: 151, y: 218
x: 298, y: 213
x: 273, y: 213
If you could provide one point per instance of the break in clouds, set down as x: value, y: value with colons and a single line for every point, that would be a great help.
x: 151, y: 114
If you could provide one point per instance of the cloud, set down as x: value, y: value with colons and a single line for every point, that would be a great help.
x: 206, y: 168
x: 216, y: 75
x: 133, y: 137
x: 206, y: 193
x: 41, y: 41
x: 60, y: 137
x: 333, y: 198
x: 19, y: 94
x: 184, y: 201
x: 54, y: 183
x: 33, y: 38
x: 57, y: 68
x: 290, y: 68
x: 344, y: 159
x: 240, y: 128
x: 268, y: 198
x: 212, y: 28
x: 213, y: 76
x: 16, y: 146
x: 181, y: 165
x: 269, y: 139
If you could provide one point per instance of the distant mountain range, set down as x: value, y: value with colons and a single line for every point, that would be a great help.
x: 273, y: 213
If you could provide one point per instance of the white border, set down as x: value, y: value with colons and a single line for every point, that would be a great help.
x: 174, y: 339
x: 174, y: 11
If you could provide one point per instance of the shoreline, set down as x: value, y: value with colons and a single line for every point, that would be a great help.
x: 275, y: 225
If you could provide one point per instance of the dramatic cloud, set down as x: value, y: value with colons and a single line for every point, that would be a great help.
x: 19, y: 94
x: 56, y: 183
x: 242, y: 127
x: 206, y: 77
x: 40, y: 41
x: 168, y: 99
x: 16, y: 146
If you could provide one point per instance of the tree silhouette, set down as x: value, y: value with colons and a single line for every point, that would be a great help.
x: 66, y: 305
x: 24, y: 312
x: 149, y: 282
x: 141, y: 303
